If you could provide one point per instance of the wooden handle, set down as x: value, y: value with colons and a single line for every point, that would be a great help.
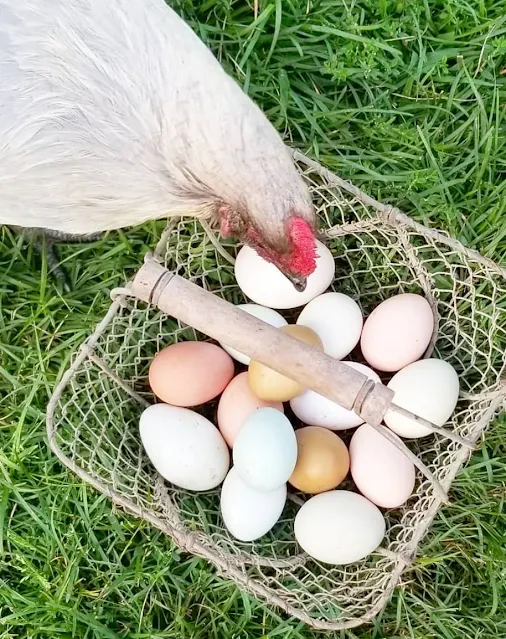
x: 229, y: 325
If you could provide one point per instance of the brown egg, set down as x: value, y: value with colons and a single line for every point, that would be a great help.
x: 271, y: 386
x: 190, y: 373
x: 322, y: 460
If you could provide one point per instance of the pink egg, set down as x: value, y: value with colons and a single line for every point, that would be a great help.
x: 397, y: 332
x: 190, y: 373
x: 380, y: 471
x: 236, y: 405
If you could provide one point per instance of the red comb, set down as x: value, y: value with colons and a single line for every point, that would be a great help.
x: 303, y: 257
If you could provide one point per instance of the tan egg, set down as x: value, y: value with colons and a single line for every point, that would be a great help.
x: 271, y: 386
x: 322, y: 460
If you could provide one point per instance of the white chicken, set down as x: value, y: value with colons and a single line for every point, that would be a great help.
x: 113, y: 112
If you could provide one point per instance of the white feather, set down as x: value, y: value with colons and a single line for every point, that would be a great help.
x: 113, y: 112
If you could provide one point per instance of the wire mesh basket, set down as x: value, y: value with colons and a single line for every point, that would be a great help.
x: 94, y: 412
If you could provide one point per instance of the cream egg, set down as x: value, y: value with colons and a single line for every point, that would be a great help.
x: 428, y: 388
x: 337, y: 320
x: 263, y: 283
x: 339, y: 527
x: 184, y: 447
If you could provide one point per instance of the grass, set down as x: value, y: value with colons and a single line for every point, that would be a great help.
x: 406, y: 99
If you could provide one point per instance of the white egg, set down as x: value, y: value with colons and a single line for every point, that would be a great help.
x: 339, y: 527
x: 248, y: 513
x: 430, y: 389
x: 380, y: 471
x: 265, y: 450
x: 263, y: 313
x: 337, y: 320
x: 184, y: 447
x: 316, y: 410
x: 262, y: 282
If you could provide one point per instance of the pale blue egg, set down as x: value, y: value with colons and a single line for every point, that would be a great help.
x: 265, y: 451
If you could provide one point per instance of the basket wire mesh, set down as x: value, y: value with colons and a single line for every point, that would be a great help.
x: 93, y: 415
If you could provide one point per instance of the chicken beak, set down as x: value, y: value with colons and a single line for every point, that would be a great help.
x: 298, y: 282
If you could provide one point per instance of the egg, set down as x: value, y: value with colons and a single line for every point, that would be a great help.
x: 430, y: 389
x: 184, y: 447
x: 322, y: 460
x: 190, y: 373
x: 337, y: 320
x: 265, y: 450
x: 236, y: 405
x: 339, y: 527
x: 316, y: 410
x: 380, y: 471
x: 397, y: 332
x: 263, y: 283
x: 270, y: 385
x: 248, y: 513
x: 267, y: 315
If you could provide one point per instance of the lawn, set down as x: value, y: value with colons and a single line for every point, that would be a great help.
x: 406, y: 99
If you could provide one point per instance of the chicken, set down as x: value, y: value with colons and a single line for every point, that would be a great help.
x: 114, y: 112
